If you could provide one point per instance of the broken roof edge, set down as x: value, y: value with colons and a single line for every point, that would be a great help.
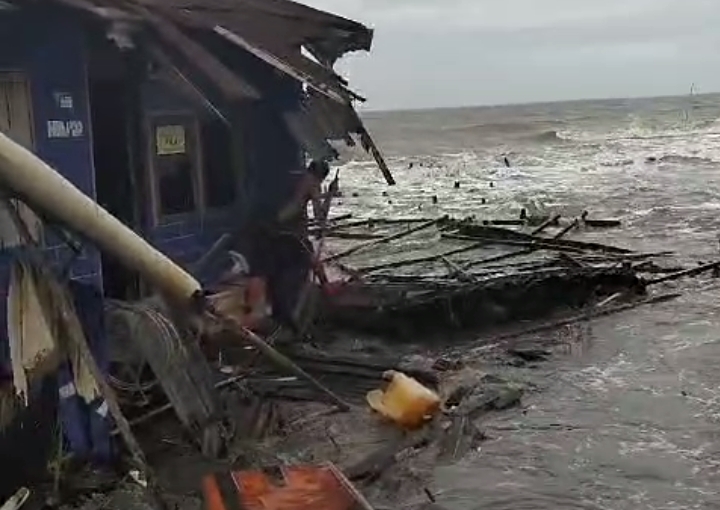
x: 343, y: 35
x: 320, y: 78
x: 334, y: 91
x: 317, y: 73
x: 328, y: 54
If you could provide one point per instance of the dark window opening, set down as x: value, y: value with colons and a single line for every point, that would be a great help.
x: 218, y: 173
x: 175, y: 163
x: 175, y: 182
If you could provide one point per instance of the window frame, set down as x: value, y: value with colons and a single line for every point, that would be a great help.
x: 189, y: 117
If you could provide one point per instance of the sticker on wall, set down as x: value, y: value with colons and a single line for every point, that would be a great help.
x: 170, y: 140
x: 63, y: 100
x: 65, y: 128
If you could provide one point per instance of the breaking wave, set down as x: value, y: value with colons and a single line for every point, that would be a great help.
x: 550, y: 136
x: 526, y: 132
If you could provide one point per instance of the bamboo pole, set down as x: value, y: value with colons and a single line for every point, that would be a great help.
x: 386, y: 239
x: 518, y: 253
x: 420, y: 260
x: 497, y: 258
x: 550, y: 221
x: 567, y: 229
x: 17, y: 500
x: 500, y: 235
x: 539, y: 243
x: 570, y: 260
x: 282, y: 361
x: 357, y: 236
x: 368, y: 222
x: 341, y: 217
x: 686, y: 272
x: 457, y: 271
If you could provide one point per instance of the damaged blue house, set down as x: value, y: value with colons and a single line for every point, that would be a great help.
x: 180, y: 118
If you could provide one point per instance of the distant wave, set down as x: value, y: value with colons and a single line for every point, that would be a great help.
x: 667, y: 158
x: 679, y: 159
x: 618, y: 163
x: 509, y: 127
x: 538, y: 132
x: 549, y: 136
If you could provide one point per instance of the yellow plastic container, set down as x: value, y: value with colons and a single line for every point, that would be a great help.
x: 405, y: 401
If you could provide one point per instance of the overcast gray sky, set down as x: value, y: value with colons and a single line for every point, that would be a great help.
x: 430, y: 53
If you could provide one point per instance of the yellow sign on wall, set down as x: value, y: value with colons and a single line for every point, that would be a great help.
x: 170, y: 140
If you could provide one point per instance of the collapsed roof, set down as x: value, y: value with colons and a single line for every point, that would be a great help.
x: 274, y: 31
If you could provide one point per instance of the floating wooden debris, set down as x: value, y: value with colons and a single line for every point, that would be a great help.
x: 471, y: 278
x: 598, y: 223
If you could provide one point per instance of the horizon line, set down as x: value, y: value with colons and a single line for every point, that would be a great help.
x: 530, y: 103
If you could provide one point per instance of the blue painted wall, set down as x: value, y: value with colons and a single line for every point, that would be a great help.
x: 48, y: 48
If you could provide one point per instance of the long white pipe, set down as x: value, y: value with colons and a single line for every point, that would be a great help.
x: 44, y: 189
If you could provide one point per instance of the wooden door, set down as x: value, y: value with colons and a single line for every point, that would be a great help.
x: 16, y: 122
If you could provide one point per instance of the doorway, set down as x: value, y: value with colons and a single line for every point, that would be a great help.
x: 110, y: 98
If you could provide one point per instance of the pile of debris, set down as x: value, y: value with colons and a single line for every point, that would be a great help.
x: 411, y: 277
x: 381, y: 463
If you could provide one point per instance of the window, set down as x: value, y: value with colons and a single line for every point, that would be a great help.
x: 16, y: 122
x: 175, y: 164
x: 218, y: 174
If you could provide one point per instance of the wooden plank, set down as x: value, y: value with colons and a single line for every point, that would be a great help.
x: 421, y: 260
x: 280, y: 360
x: 550, y: 221
x: 470, y: 231
x: 527, y: 251
x: 687, y: 272
x: 369, y: 144
x: 573, y: 224
x: 336, y: 92
x: 567, y: 245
